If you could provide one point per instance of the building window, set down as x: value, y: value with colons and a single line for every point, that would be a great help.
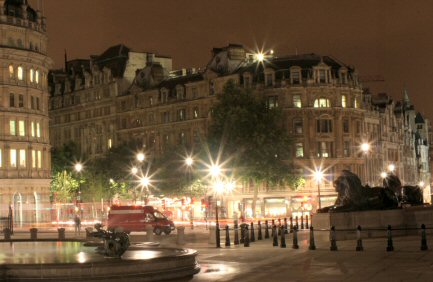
x: 355, y: 103
x: 296, y: 77
x: 150, y: 101
x: 39, y: 159
x: 299, y: 150
x: 358, y: 127
x: 151, y: 117
x: 180, y: 92
x: 194, y: 92
x: 20, y: 73
x: 21, y: 101
x: 13, y: 158
x: 110, y: 143
x: 11, y: 100
x: 324, y: 149
x: 21, y: 128
x: 297, y: 126
x: 32, y: 75
x: 322, y: 76
x: 343, y: 101
x: 11, y: 71
x: 297, y: 103
x: 38, y: 130
x: 181, y: 138
x: 165, y: 117
x: 33, y: 158
x: 37, y: 77
x: 22, y: 158
x: 181, y: 115
x: 272, y: 102
x: 269, y: 80
x: 195, y: 112
x: 345, y: 125
x: 322, y: 103
x: 324, y: 126
x: 346, y: 149
x: 12, y: 127
x: 37, y: 104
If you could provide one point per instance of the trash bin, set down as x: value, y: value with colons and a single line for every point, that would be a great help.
x: 33, y: 233
x: 61, y: 233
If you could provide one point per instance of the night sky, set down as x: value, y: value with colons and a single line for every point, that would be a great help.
x: 393, y: 39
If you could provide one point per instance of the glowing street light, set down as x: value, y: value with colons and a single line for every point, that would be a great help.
x: 391, y: 167
x: 134, y: 170
x: 365, y: 147
x: 144, y: 181
x: 383, y: 174
x: 215, y: 170
x: 421, y: 184
x: 78, y: 167
x: 189, y: 161
x: 140, y: 157
x: 260, y: 57
x: 318, y: 175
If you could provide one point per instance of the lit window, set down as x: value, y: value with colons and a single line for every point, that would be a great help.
x: 344, y: 101
x: 33, y: 158
x: 322, y: 103
x: 11, y: 71
x: 346, y: 149
x: 21, y: 128
x: 195, y: 112
x: 110, y: 143
x: 297, y: 126
x: 32, y: 129
x: 272, y: 102
x: 32, y: 75
x: 39, y: 159
x: 355, y: 103
x: 37, y: 77
x: 20, y: 73
x: 324, y: 149
x: 22, y: 158
x: 12, y: 127
x: 299, y: 150
x: 296, y: 77
x: 13, y: 158
x: 297, y: 103
x: 38, y: 130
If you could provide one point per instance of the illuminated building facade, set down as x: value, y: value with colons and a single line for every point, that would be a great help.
x: 25, y: 161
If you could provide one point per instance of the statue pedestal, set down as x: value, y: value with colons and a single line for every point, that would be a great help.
x: 346, y: 222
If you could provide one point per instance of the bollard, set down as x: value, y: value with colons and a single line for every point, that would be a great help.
x: 253, y: 236
x: 274, y: 236
x: 359, y: 247
x: 312, y: 245
x: 149, y: 233
x: 227, y: 236
x: 7, y: 233
x: 285, y: 226
x: 217, y: 235
x: 180, y: 240
x: 279, y: 227
x: 291, y: 224
x: 302, y: 222
x: 295, y: 238
x: 283, y: 238
x: 266, y: 230
x: 423, y: 239
x: 236, y: 242
x: 242, y: 233
x: 297, y: 222
x: 389, y: 247
x: 33, y: 233
x: 247, y: 238
x: 61, y: 234
x: 306, y: 222
x: 259, y: 231
x: 333, y: 240
x: 272, y: 230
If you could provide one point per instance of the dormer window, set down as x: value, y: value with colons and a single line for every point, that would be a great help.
x: 180, y: 92
x: 163, y: 95
x: 297, y: 103
x: 343, y: 77
x: 295, y: 76
x: 269, y: 78
x: 343, y: 101
x: 322, y: 103
x: 322, y: 76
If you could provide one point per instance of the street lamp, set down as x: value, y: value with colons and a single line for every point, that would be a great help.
x: 383, y: 174
x: 318, y: 175
x: 134, y: 170
x: 140, y: 157
x: 144, y: 183
x: 391, y: 168
x: 189, y: 161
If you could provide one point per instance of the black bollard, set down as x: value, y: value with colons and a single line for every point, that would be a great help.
x: 272, y: 230
x: 297, y: 222
x: 285, y: 226
x: 247, y: 237
x: 291, y: 224
x: 266, y: 230
x: 306, y: 222
x: 333, y: 239
x: 242, y: 233
x: 312, y: 245
x: 359, y: 247
x: 283, y: 238
x: 279, y: 227
x: 227, y: 236
x: 217, y: 236
x: 253, y: 236
x: 295, y: 238
x: 423, y: 239
x: 274, y: 236
x: 259, y: 231
x: 302, y: 222
x: 389, y: 247
x: 236, y: 241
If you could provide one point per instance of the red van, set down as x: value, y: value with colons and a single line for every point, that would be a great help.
x: 136, y: 218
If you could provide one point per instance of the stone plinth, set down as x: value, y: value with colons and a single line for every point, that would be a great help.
x: 374, y: 222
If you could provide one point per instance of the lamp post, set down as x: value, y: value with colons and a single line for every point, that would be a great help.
x: 318, y: 175
x: 189, y: 161
x: 78, y: 168
x: 365, y: 148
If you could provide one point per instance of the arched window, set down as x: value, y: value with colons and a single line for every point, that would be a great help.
x: 343, y: 101
x: 355, y: 103
x: 37, y: 76
x: 322, y: 103
x: 32, y: 75
x: 11, y: 71
x: 20, y: 73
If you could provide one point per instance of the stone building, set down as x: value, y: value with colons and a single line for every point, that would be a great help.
x: 25, y: 161
x: 324, y: 107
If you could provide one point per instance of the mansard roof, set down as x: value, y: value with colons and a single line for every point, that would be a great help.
x: 419, y: 118
x: 171, y: 82
x: 114, y: 58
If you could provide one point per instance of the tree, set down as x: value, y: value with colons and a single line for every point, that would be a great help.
x: 251, y: 135
x: 64, y: 186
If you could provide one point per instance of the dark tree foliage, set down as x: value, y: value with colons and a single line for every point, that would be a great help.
x: 251, y: 135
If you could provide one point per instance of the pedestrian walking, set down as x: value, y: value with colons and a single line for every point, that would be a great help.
x: 77, y: 224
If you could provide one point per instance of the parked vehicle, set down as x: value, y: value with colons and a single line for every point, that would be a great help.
x: 137, y: 218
